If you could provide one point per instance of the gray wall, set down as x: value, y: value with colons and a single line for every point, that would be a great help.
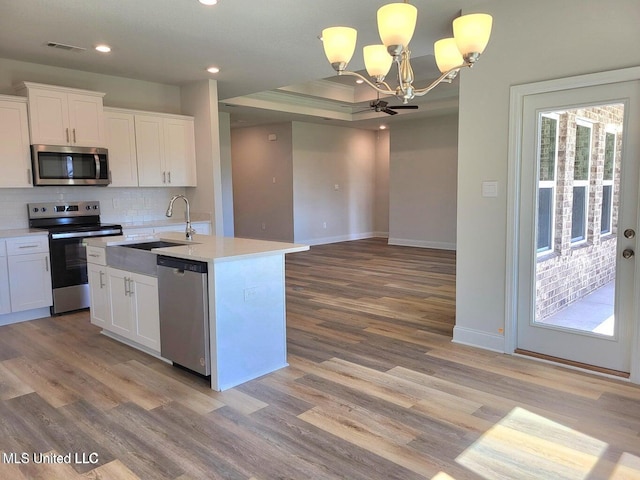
x: 531, y: 41
x: 262, y: 172
x: 423, y: 183
x: 334, y: 170
x: 381, y: 211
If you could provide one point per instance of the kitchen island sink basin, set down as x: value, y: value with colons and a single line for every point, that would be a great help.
x: 152, y: 245
x: 137, y: 257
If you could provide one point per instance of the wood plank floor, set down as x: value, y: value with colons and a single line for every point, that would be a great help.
x: 375, y: 390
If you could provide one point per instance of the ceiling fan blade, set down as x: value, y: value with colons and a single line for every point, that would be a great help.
x: 404, y: 107
x: 388, y: 111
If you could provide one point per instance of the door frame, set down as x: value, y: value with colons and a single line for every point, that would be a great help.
x: 516, y: 110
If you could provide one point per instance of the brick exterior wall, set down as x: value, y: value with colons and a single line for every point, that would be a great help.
x: 570, y: 271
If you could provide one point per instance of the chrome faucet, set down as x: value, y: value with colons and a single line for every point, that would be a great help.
x: 188, y: 230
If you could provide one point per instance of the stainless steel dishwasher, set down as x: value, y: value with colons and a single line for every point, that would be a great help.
x: 184, y: 313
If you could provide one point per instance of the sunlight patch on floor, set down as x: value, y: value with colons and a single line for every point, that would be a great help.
x: 524, y: 445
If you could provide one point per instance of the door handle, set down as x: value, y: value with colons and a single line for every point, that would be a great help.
x: 627, y: 253
x: 629, y: 233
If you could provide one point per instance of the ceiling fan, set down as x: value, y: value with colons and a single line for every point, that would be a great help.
x: 382, y: 106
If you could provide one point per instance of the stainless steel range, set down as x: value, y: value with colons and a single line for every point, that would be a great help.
x: 69, y: 223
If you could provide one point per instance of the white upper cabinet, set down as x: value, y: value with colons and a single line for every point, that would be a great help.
x: 15, y: 158
x: 64, y: 116
x: 165, y: 147
x: 121, y: 143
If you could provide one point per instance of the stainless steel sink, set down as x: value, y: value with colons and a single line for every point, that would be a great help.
x: 137, y: 257
x: 151, y: 245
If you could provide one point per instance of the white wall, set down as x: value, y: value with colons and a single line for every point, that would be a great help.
x: 121, y: 92
x: 531, y: 41
x: 423, y: 177
x: 262, y: 172
x: 200, y: 100
x: 224, y: 121
x: 325, y: 157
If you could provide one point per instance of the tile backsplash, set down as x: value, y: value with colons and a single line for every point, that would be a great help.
x: 117, y: 205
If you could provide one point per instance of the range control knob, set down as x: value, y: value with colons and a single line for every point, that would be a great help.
x: 44, y: 209
x: 36, y: 209
x: 95, y: 207
x: 88, y: 207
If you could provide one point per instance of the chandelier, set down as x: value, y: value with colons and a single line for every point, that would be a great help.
x: 396, y: 24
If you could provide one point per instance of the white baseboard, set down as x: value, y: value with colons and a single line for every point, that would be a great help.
x: 476, y: 338
x: 407, y: 242
x: 17, y: 317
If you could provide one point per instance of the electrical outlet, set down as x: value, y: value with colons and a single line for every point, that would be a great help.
x: 324, y: 224
x: 116, y: 203
x: 264, y: 226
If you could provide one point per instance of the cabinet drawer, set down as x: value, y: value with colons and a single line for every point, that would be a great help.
x: 25, y: 245
x: 96, y: 255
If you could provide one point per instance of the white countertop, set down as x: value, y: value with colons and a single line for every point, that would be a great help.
x: 22, y: 232
x: 204, y: 248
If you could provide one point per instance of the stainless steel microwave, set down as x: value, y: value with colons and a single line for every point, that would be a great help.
x: 68, y: 165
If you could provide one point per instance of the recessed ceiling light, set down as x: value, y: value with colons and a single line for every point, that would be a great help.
x: 383, y: 127
x: 208, y: 2
x: 359, y: 81
x: 103, y: 48
x: 213, y: 69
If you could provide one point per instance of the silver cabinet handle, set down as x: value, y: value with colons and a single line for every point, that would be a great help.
x: 164, y: 177
x: 132, y: 285
x: 74, y: 136
x: 46, y: 263
x: 28, y: 246
x: 67, y: 131
x: 94, y: 255
x: 126, y: 286
x: 101, y: 277
x: 29, y: 179
x: 169, y: 175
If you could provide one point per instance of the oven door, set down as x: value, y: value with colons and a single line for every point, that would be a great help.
x: 69, y: 276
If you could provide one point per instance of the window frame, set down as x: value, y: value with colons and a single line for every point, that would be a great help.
x: 609, y: 183
x: 548, y: 184
x: 577, y: 241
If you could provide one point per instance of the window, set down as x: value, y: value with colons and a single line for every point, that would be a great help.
x: 547, y: 162
x: 607, y: 182
x: 581, y: 167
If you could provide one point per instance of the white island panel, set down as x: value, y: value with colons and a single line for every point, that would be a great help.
x: 249, y: 327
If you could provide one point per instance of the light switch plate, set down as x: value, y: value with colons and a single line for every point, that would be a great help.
x: 489, y: 189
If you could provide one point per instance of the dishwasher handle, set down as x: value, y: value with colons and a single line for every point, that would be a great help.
x: 182, y: 264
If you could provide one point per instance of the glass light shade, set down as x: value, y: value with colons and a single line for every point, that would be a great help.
x: 447, y: 54
x: 472, y: 32
x: 377, y: 60
x: 339, y: 43
x: 396, y: 23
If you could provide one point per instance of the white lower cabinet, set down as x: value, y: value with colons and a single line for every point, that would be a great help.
x: 5, y: 299
x: 29, y: 275
x: 131, y: 309
x: 99, y: 295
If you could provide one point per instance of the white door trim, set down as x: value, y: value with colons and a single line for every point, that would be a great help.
x: 516, y: 107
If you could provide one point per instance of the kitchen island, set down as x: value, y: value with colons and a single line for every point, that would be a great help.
x: 246, y: 300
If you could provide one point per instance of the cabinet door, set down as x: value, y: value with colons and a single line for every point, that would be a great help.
x: 30, y: 281
x: 49, y: 117
x: 86, y: 120
x: 120, y: 302
x: 150, y: 151
x: 5, y: 299
x: 14, y: 145
x: 180, y: 154
x: 99, y: 295
x: 144, y: 297
x: 121, y: 142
